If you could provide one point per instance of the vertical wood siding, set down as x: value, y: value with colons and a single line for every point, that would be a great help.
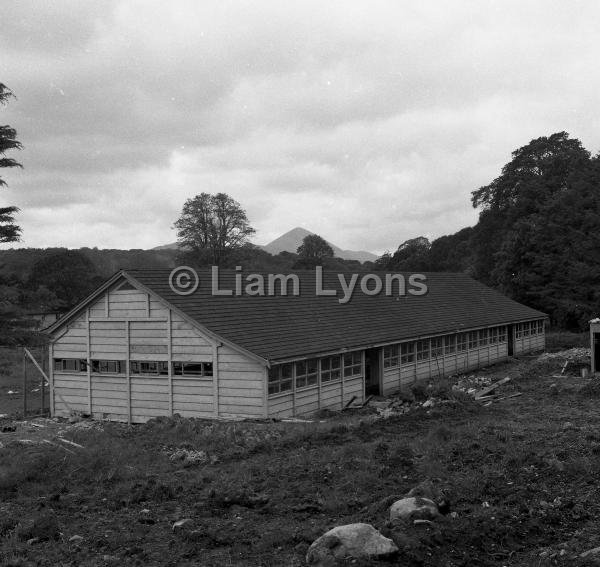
x: 134, y: 326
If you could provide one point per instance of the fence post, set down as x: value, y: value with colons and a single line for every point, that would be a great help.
x: 24, y: 385
x: 42, y: 383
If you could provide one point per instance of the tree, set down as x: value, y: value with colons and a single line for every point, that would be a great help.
x: 313, y: 251
x: 212, y: 227
x: 9, y: 231
x: 68, y: 274
x: 412, y: 255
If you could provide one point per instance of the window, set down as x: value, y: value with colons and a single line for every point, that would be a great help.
x: 501, y: 334
x: 108, y: 366
x: 461, y: 342
x: 493, y: 335
x: 391, y: 356
x: 437, y: 347
x: 280, y: 378
x: 423, y: 350
x: 473, y: 339
x: 518, y: 330
x: 483, y: 338
x: 152, y: 368
x: 330, y: 368
x: 307, y: 373
x: 525, y: 329
x: 353, y: 364
x: 449, y: 344
x: 407, y: 353
x: 70, y: 365
x: 192, y: 369
x: 540, y: 327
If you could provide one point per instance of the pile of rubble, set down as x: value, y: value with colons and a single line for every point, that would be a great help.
x: 576, y: 355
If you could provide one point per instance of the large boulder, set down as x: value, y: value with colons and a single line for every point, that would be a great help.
x: 414, y: 508
x: 357, y: 541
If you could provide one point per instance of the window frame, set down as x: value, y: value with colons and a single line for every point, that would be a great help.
x: 207, y: 369
x: 277, y: 379
x: 407, y: 353
x: 162, y: 368
x: 391, y: 356
x: 353, y: 365
x: 436, y: 351
x: 331, y: 372
x: 449, y: 345
x: 306, y: 375
x: 423, y: 354
x: 462, y: 342
x: 97, y: 363
x: 82, y: 365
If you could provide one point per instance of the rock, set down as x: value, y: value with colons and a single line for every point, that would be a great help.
x: 181, y: 524
x: 75, y: 539
x: 553, y: 389
x: 591, y: 552
x: 414, y: 508
x: 358, y: 541
x: 429, y: 403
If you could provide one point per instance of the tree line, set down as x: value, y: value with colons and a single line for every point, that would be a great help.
x: 536, y: 240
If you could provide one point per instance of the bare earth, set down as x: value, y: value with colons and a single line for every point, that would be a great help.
x: 521, y: 476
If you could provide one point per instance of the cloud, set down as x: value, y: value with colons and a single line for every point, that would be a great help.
x: 369, y: 123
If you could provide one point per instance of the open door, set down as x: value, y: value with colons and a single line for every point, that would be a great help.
x: 596, y: 352
x: 511, y: 339
x: 372, y: 372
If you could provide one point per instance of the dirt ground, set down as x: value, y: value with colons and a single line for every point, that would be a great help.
x: 520, y: 474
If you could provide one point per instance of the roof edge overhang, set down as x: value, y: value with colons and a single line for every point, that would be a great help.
x: 379, y: 344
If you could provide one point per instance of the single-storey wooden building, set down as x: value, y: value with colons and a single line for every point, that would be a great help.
x: 136, y: 349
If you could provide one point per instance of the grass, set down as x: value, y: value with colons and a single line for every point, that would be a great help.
x: 521, y: 476
x: 560, y: 340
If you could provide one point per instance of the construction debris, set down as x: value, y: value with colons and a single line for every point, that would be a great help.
x: 481, y: 393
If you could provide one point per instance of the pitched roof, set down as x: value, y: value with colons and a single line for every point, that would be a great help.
x: 280, y: 327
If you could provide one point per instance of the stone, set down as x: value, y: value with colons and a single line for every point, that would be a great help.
x: 75, y: 539
x: 181, y: 524
x: 351, y: 541
x: 591, y: 552
x: 553, y: 389
x: 414, y: 508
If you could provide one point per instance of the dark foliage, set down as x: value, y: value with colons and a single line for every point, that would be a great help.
x: 537, y: 236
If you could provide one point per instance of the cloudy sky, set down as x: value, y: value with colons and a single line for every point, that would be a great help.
x: 366, y: 122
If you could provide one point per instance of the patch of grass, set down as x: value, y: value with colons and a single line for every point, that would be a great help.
x: 561, y: 340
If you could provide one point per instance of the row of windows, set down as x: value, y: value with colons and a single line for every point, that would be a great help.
x: 529, y: 329
x: 137, y: 367
x: 307, y: 372
x: 407, y: 353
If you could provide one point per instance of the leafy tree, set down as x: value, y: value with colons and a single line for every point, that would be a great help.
x: 212, y: 227
x: 9, y: 231
x: 535, y: 173
x: 313, y: 251
x: 412, y: 255
x: 69, y: 275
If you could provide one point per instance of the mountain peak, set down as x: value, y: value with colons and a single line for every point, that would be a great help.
x: 292, y: 239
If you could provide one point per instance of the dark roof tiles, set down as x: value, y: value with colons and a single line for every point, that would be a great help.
x: 280, y: 327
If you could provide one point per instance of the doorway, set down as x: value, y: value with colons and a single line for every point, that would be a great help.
x: 372, y: 372
x: 511, y: 340
x: 596, y: 351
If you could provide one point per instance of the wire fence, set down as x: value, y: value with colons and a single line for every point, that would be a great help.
x: 24, y: 388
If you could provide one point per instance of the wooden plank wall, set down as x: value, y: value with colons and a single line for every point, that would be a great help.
x: 128, y: 325
x: 306, y: 401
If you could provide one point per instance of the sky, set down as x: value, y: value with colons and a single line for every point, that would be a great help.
x: 368, y: 123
